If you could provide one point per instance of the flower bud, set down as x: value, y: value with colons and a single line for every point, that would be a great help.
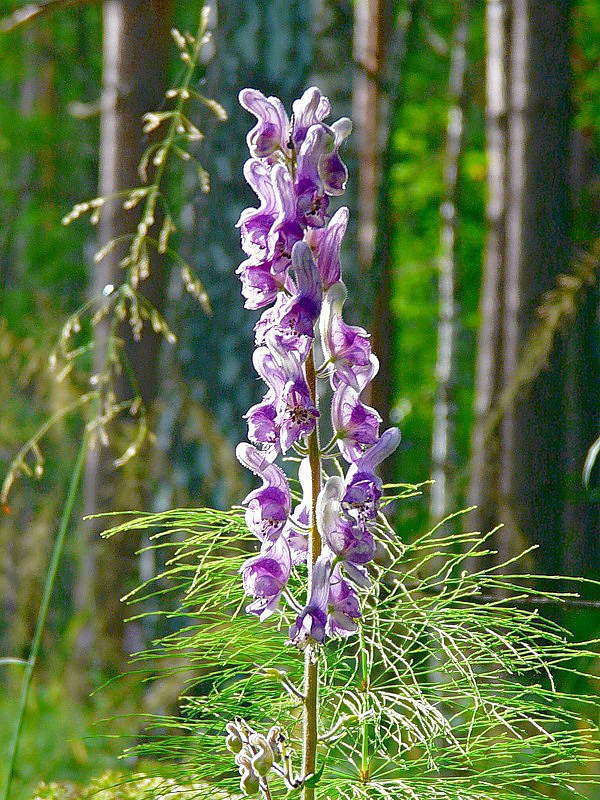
x: 249, y: 782
x: 274, y: 738
x: 262, y: 760
x: 233, y: 741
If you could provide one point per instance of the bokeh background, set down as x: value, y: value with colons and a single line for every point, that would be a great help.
x: 472, y: 256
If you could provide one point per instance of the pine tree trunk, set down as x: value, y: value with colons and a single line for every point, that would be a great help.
x: 135, y: 53
x: 528, y: 247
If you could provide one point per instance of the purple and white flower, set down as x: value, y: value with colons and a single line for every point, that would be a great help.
x: 292, y: 273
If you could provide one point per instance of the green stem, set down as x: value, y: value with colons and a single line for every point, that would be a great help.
x: 365, y: 679
x: 311, y: 666
x: 43, y: 612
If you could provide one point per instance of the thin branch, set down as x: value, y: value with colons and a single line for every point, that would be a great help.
x: 31, y: 11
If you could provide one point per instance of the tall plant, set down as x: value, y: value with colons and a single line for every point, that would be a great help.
x: 362, y: 667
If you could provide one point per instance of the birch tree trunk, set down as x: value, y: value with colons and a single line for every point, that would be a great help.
x: 443, y: 455
x: 485, y: 446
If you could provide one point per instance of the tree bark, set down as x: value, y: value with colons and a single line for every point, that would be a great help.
x: 485, y: 446
x: 372, y: 26
x: 527, y: 249
x: 135, y: 55
x: 443, y: 452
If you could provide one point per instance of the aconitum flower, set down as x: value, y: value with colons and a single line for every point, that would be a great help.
x: 292, y: 273
x: 343, y: 607
x: 363, y: 487
x: 308, y: 110
x: 268, y: 508
x: 309, y: 627
x: 272, y: 129
x: 332, y: 169
x: 355, y: 424
x: 265, y: 576
x: 345, y: 347
x: 326, y: 244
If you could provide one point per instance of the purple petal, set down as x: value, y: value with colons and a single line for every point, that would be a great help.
x: 326, y: 243
x: 355, y: 424
x: 309, y: 109
x: 259, y: 286
x: 345, y: 346
x: 388, y: 442
x: 271, y: 131
x: 309, y: 627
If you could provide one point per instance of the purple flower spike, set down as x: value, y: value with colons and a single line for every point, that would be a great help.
x: 343, y: 607
x: 264, y: 577
x: 311, y: 108
x: 269, y: 506
x: 345, y: 346
x: 309, y: 627
x: 271, y: 131
x: 354, y: 423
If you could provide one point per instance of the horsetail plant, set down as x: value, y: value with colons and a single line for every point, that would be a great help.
x: 362, y: 667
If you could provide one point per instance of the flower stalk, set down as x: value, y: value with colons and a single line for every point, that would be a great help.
x: 292, y: 273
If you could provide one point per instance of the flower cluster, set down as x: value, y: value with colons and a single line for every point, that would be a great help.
x: 292, y: 271
x: 257, y: 755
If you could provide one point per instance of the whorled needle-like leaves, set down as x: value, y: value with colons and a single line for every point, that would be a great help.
x: 454, y: 690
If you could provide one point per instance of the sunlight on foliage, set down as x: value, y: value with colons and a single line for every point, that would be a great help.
x: 454, y: 688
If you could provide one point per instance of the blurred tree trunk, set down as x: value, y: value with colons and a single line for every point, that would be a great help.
x: 372, y: 28
x: 135, y: 56
x: 399, y: 49
x: 371, y: 115
x: 528, y: 246
x: 485, y: 445
x: 443, y: 448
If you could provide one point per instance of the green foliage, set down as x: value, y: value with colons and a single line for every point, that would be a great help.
x: 61, y: 739
x: 416, y: 190
x: 454, y: 688
x: 118, y: 786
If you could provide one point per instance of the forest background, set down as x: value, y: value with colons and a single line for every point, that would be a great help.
x: 474, y: 257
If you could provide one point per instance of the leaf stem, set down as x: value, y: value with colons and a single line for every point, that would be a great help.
x: 311, y: 666
x: 43, y: 612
